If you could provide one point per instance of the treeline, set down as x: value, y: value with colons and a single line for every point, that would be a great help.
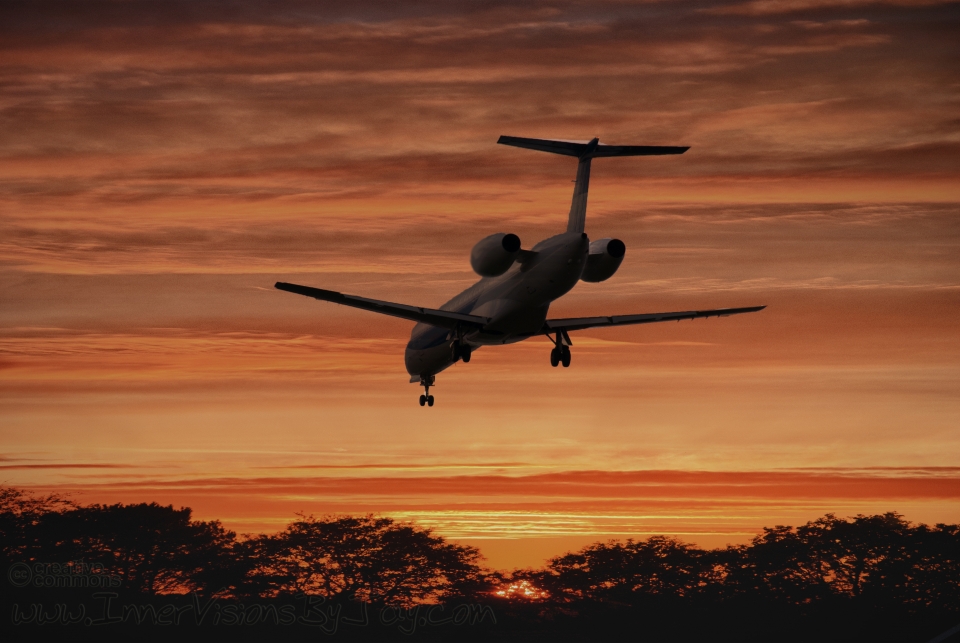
x: 865, y: 578
x: 881, y: 560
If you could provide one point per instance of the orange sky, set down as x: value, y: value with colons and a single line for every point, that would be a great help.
x: 161, y: 166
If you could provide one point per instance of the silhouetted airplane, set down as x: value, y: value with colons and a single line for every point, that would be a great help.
x: 510, y: 302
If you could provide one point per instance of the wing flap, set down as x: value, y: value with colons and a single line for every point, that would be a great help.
x: 581, y: 323
x: 434, y: 317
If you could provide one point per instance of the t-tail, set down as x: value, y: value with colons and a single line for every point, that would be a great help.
x: 586, y: 152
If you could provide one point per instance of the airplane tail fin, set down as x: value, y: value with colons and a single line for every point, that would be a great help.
x: 585, y: 152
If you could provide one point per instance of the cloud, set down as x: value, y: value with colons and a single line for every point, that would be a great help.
x: 597, y: 504
x: 574, y: 487
x: 163, y: 164
x: 135, y: 106
x: 774, y: 7
x: 78, y: 465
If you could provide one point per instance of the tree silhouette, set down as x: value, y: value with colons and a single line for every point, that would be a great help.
x: 18, y: 503
x: 368, y: 558
x: 878, y: 559
x: 780, y: 565
x: 923, y: 572
x: 864, y: 578
x: 658, y: 566
x: 20, y: 512
x: 152, y: 548
x: 850, y: 552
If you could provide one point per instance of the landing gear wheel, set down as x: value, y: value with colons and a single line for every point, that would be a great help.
x: 461, y: 351
x: 554, y: 357
x: 565, y: 357
x: 429, y: 400
x: 423, y: 400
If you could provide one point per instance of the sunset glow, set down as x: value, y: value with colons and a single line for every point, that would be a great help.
x: 521, y: 590
x: 161, y: 168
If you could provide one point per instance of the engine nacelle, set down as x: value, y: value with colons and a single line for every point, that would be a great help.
x: 493, y: 255
x: 605, y: 257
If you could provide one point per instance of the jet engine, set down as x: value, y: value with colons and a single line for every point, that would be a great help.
x: 493, y: 255
x: 604, y: 258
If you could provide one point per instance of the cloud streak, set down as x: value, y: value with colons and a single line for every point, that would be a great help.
x: 162, y: 165
x: 137, y: 105
x: 702, y: 506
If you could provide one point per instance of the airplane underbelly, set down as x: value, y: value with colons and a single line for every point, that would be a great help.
x: 512, y: 321
x: 428, y: 361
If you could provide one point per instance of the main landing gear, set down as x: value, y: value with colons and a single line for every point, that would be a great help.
x: 461, y: 350
x: 561, y: 349
x: 560, y: 355
x: 426, y: 383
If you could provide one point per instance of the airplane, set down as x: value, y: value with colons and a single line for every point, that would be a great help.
x: 511, y: 301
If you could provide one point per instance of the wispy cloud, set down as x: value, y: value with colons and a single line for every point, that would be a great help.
x: 774, y: 7
x: 163, y: 164
x: 76, y: 465
x: 591, y: 504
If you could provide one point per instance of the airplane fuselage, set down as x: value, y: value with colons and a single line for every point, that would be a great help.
x: 517, y: 303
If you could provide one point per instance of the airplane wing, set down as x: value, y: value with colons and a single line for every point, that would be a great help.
x: 441, y: 318
x: 580, y: 323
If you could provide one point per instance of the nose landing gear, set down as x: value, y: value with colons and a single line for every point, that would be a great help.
x: 561, y: 349
x: 426, y: 382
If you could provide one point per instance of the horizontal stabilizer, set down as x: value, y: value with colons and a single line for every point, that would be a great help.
x: 582, y: 323
x: 441, y: 318
x: 589, y: 149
